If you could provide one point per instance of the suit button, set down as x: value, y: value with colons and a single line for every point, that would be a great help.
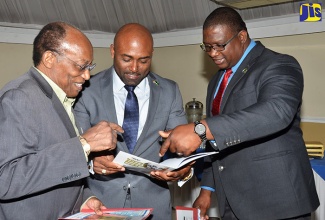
x: 221, y: 168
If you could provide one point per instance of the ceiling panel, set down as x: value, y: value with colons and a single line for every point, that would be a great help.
x: 159, y: 16
x: 244, y: 4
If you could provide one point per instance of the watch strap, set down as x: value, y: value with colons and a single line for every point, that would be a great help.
x: 202, y: 136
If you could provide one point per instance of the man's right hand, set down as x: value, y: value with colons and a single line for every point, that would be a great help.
x: 181, y: 140
x: 104, y: 165
x: 102, y: 136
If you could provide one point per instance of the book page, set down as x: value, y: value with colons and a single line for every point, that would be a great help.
x: 175, y: 163
x: 139, y: 164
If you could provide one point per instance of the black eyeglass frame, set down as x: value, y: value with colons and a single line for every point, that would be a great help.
x: 88, y: 67
x: 217, y: 47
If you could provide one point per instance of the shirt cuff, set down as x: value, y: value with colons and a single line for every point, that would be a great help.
x: 208, y: 188
x: 91, y: 167
x: 86, y: 155
x: 85, y: 146
x: 181, y: 182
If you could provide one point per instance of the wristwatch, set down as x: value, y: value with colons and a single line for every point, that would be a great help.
x: 200, y: 130
x: 85, y: 145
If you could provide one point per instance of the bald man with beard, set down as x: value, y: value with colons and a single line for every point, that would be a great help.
x: 160, y: 108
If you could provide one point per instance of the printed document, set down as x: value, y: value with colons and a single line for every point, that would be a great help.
x: 142, y: 165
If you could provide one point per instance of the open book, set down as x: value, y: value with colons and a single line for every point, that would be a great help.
x: 113, y: 213
x: 139, y: 164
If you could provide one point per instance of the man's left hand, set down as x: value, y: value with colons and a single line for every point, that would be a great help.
x: 94, y: 204
x: 172, y: 175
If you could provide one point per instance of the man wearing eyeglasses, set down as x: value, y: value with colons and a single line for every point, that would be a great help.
x: 262, y: 170
x: 43, y: 160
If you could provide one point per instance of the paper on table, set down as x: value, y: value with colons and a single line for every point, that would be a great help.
x: 139, y: 164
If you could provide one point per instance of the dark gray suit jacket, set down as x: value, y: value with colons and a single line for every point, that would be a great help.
x: 263, y: 169
x: 165, y: 112
x: 42, y: 163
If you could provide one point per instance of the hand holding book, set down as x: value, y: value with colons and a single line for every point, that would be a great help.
x: 142, y: 165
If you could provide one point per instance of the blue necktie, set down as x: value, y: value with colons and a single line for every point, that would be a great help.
x: 131, y: 119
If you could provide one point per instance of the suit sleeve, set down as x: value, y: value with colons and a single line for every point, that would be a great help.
x: 82, y: 116
x: 26, y: 165
x: 207, y: 179
x: 177, y: 114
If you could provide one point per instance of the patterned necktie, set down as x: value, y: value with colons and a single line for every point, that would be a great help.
x: 131, y: 118
x: 217, y: 100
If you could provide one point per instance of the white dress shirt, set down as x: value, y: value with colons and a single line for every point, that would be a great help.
x: 142, y: 91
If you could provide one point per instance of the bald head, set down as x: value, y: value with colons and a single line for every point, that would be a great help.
x: 132, y: 52
x: 133, y: 32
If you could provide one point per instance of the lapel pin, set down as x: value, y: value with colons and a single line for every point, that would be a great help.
x: 244, y: 70
x: 156, y: 82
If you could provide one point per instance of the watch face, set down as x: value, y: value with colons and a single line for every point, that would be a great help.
x: 199, y: 129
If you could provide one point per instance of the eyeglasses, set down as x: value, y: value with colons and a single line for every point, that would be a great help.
x: 81, y: 68
x: 217, y: 47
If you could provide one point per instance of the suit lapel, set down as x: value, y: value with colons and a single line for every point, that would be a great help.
x: 63, y: 115
x: 107, y: 97
x: 155, y: 92
x: 48, y: 91
x: 106, y: 89
x: 243, y: 69
x: 211, y: 92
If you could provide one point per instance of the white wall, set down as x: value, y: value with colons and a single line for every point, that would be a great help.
x: 177, y: 56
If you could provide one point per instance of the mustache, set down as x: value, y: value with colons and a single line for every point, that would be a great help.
x: 132, y: 73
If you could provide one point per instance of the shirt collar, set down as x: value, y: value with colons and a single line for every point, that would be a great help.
x: 248, y: 49
x: 118, y: 85
x: 58, y: 91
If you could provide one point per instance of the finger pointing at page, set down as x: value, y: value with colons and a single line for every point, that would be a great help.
x: 166, y: 143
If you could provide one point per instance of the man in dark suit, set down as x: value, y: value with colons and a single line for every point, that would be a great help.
x: 160, y: 107
x: 262, y: 170
x: 43, y: 160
